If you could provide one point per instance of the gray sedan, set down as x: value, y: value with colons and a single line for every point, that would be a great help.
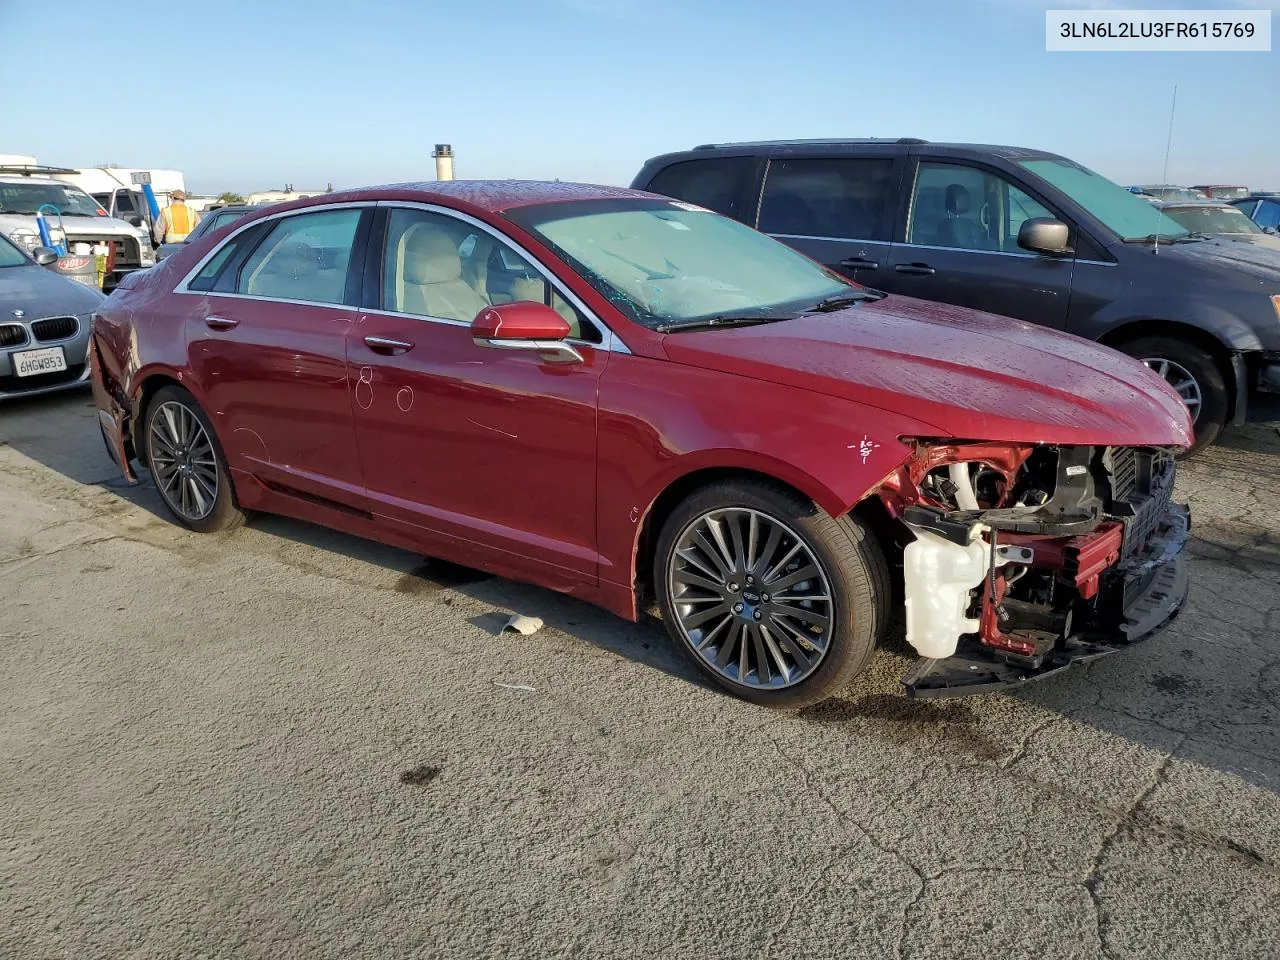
x: 44, y: 325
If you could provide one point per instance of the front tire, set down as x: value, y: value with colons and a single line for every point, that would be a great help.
x: 1197, y: 378
x: 187, y: 463
x: 770, y: 598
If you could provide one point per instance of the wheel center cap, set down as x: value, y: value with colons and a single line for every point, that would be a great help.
x: 750, y: 596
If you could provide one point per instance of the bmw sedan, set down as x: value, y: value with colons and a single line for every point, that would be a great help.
x: 625, y: 397
x: 44, y: 324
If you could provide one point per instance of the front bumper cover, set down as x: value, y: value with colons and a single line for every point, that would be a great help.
x: 1154, y: 586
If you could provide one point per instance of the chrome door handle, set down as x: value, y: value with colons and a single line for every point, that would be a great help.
x: 388, y: 345
x: 916, y: 269
x: 220, y: 323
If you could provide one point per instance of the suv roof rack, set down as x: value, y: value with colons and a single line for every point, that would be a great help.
x: 821, y: 140
x: 34, y: 169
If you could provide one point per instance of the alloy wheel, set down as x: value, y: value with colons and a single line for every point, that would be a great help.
x: 1180, y: 378
x: 751, y: 598
x: 183, y: 461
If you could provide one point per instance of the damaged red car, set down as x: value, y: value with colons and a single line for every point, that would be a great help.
x: 628, y: 398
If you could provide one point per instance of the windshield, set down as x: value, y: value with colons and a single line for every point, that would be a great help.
x: 1124, y: 213
x: 26, y: 197
x: 1173, y: 193
x: 1227, y: 193
x: 1213, y: 220
x: 663, y: 261
x: 9, y: 255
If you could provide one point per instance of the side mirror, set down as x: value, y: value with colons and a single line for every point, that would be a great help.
x: 525, y: 325
x: 44, y: 256
x: 1045, y: 235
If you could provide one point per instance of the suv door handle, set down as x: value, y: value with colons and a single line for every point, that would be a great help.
x: 916, y: 269
x: 860, y: 263
x: 388, y: 345
x: 220, y: 323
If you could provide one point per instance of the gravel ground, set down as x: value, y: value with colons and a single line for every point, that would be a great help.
x: 287, y: 742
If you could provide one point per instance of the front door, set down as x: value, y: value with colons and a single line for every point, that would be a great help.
x: 267, y: 346
x: 961, y: 247
x: 492, y: 450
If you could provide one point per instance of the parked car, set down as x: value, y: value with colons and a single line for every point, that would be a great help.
x: 1167, y: 191
x: 209, y: 222
x: 616, y: 395
x: 44, y: 324
x: 1263, y: 209
x: 1014, y: 231
x: 1219, y: 219
x: 79, y: 219
x: 1223, y: 191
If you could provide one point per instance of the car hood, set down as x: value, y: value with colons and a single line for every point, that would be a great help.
x: 1264, y: 241
x: 1256, y: 259
x: 39, y: 292
x: 971, y: 375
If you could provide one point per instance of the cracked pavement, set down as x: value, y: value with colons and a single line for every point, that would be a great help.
x: 288, y: 742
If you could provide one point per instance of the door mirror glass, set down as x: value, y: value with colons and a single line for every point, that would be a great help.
x: 522, y: 320
x: 44, y: 256
x: 1045, y: 235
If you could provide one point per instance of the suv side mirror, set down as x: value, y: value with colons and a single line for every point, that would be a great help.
x: 525, y: 325
x: 44, y: 256
x: 1045, y: 235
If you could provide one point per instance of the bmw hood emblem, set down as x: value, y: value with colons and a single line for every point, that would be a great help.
x: 19, y: 314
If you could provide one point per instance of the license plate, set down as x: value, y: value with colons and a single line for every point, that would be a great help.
x: 34, y: 362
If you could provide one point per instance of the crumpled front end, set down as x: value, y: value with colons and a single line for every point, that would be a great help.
x: 1026, y: 559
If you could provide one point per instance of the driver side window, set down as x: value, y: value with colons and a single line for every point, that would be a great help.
x: 436, y: 266
x: 968, y: 209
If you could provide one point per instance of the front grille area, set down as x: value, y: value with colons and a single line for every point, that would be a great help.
x: 12, y: 384
x: 12, y: 334
x: 127, y: 252
x: 55, y: 328
x: 1141, y: 488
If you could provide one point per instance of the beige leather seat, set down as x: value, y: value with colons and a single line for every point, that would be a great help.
x: 529, y: 288
x: 429, y: 277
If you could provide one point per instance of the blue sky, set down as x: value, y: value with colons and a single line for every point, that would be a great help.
x: 256, y: 94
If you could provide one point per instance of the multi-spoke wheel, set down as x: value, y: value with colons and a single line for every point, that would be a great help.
x: 771, y: 598
x: 1195, y: 375
x: 186, y: 463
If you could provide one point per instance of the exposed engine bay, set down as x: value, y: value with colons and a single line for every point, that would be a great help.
x: 1027, y: 558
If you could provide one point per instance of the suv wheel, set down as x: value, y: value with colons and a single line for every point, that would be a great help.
x: 1196, y: 377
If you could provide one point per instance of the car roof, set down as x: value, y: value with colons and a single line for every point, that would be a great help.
x: 43, y: 181
x: 965, y: 149
x: 493, y: 196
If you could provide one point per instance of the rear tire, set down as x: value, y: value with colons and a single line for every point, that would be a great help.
x: 187, y: 463
x: 719, y: 555
x: 1196, y: 376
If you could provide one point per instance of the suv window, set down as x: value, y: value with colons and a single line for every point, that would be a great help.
x: 437, y: 266
x: 1267, y: 214
x: 839, y: 198
x: 716, y: 184
x: 304, y: 257
x: 969, y: 209
x: 124, y: 203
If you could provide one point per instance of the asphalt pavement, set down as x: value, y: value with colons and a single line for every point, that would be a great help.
x: 286, y: 742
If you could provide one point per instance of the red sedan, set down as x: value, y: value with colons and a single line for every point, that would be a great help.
x: 620, y: 396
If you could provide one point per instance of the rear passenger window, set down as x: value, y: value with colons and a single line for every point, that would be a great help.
x: 837, y: 198
x: 304, y: 257
x: 715, y: 183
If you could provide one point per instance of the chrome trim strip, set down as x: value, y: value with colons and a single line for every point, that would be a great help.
x: 249, y: 296
x: 806, y: 236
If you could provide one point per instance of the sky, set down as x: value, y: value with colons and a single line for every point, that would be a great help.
x: 251, y: 95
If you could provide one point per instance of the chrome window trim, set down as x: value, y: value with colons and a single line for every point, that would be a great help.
x: 808, y: 236
x: 609, y: 342
x: 182, y: 286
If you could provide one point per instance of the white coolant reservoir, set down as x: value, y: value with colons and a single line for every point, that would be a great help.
x: 939, y: 575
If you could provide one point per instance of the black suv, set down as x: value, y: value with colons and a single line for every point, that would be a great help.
x: 1014, y: 231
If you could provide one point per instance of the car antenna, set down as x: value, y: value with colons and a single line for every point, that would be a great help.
x: 1164, y: 174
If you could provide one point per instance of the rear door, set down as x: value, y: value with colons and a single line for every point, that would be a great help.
x: 267, y: 345
x: 836, y: 209
x: 957, y: 242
